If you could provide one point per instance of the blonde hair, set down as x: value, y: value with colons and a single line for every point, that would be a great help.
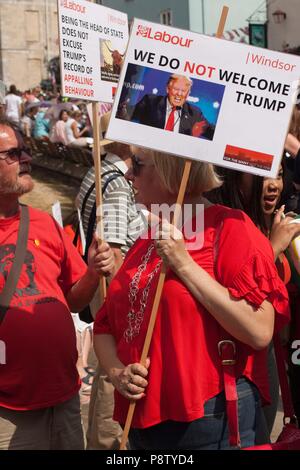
x: 202, y: 178
x: 75, y: 114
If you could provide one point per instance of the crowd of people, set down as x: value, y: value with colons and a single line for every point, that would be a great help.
x: 45, y: 116
x: 225, y: 297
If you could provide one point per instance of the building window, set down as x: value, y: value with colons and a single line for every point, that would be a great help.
x: 166, y: 17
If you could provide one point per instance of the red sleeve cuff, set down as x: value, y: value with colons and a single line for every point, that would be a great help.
x: 257, y: 281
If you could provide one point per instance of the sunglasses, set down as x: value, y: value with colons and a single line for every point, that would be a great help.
x: 14, y: 155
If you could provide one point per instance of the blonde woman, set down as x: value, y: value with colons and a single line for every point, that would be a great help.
x: 73, y: 134
x: 224, y: 288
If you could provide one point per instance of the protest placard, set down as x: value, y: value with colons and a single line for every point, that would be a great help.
x: 231, y: 103
x: 56, y: 212
x: 103, y: 109
x: 93, y: 39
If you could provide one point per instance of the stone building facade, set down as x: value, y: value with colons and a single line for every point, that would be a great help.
x: 29, y: 30
x: 28, y: 40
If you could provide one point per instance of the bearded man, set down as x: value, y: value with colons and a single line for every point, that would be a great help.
x: 39, y: 383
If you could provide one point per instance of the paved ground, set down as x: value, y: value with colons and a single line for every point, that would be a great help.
x: 50, y: 187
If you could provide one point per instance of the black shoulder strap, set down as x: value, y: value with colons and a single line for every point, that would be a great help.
x: 86, y: 197
x: 92, y: 187
x: 92, y: 218
x: 14, y: 274
x: 88, y: 193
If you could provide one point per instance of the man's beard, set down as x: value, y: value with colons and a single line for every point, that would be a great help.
x: 18, y: 187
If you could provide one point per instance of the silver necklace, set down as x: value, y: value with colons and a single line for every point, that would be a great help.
x: 135, y: 318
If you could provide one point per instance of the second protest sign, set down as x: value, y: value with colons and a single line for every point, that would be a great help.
x: 93, y: 40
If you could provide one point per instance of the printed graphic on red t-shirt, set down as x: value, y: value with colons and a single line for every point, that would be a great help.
x: 28, y: 294
x: 7, y: 255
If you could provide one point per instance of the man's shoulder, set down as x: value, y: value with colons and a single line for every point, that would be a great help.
x: 87, y: 181
x: 12, y: 97
x: 90, y: 175
x: 109, y: 171
x: 39, y: 216
x: 113, y: 168
x: 115, y: 181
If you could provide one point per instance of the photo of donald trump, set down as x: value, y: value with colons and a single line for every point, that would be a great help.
x: 171, y: 112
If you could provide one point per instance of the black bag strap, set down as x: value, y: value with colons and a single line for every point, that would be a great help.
x: 14, y: 274
x: 86, y: 197
x: 92, y: 218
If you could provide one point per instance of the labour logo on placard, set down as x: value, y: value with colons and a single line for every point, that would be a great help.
x: 143, y: 30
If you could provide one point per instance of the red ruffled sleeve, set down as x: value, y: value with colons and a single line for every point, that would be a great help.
x: 245, y: 265
x: 257, y: 281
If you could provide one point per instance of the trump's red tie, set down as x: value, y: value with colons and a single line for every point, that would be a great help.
x: 171, y: 120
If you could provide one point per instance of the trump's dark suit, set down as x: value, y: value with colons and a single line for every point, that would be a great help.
x: 151, y: 111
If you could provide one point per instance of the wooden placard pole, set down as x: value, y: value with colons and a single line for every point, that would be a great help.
x: 161, y: 280
x: 98, y: 187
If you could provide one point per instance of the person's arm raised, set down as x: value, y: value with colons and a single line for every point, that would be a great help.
x: 283, y: 231
x: 292, y: 145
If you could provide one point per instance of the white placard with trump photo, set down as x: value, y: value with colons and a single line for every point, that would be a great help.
x: 93, y: 40
x: 205, y: 98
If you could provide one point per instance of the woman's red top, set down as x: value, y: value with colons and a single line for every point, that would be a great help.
x: 185, y: 369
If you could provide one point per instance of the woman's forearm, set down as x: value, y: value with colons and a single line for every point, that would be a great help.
x: 106, y: 352
x: 249, y: 325
x: 130, y: 381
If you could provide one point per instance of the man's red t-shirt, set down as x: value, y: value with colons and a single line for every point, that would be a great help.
x: 38, y: 331
x: 185, y: 368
